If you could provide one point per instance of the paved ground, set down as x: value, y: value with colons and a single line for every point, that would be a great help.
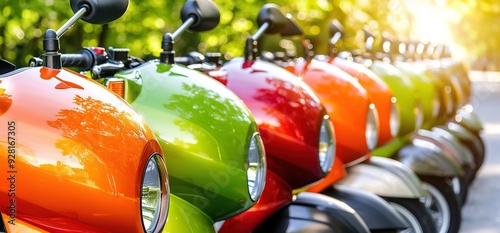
x: 481, y: 214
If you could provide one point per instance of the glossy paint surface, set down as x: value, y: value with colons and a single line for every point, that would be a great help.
x: 425, y: 88
x: 80, y: 152
x: 346, y: 102
x: 277, y: 194
x: 377, y: 91
x: 403, y: 90
x: 288, y: 114
x: 186, y: 218
x: 204, y: 131
x: 445, y: 91
x: 338, y: 172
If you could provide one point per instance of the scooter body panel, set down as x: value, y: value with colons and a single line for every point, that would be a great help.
x: 377, y: 91
x: 426, y: 157
x: 289, y: 116
x: 276, y: 195
x: 190, y: 114
x: 426, y: 92
x: 339, y: 92
x: 403, y: 90
x: 384, y: 177
x: 469, y: 120
x: 184, y: 217
x: 83, y: 149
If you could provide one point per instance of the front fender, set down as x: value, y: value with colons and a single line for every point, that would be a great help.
x: 384, y: 177
x: 469, y: 119
x: 464, y: 135
x: 426, y: 158
x: 310, y: 209
x: 464, y: 152
x: 375, y: 211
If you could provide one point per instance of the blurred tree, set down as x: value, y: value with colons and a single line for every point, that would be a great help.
x: 141, y: 28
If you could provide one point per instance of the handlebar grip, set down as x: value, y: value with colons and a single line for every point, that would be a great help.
x: 84, y: 60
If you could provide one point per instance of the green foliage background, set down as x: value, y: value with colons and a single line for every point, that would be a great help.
x: 141, y: 28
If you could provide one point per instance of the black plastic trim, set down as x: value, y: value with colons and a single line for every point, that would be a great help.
x: 375, y: 211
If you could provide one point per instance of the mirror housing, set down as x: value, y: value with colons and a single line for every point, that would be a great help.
x: 205, y: 13
x: 291, y: 28
x: 271, y: 14
x: 101, y: 11
x: 336, y: 27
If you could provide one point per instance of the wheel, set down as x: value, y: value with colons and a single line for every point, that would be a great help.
x: 460, y: 186
x: 414, y: 213
x: 442, y: 203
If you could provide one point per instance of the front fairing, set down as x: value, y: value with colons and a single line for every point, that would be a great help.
x: 376, y: 89
x: 346, y: 103
x: 426, y: 91
x: 203, y: 128
x: 447, y: 97
x: 403, y: 90
x: 80, y: 153
x: 288, y: 114
x: 187, y: 218
x: 276, y: 196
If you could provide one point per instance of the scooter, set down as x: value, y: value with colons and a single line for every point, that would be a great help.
x: 437, y: 182
x: 309, y: 166
x: 427, y: 94
x: 463, y: 123
x: 357, y: 131
x: 424, y: 154
x: 216, y: 157
x: 63, y: 148
x: 269, y: 20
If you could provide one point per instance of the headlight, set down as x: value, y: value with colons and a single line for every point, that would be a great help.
x: 256, y: 167
x: 371, y: 130
x: 154, y: 194
x: 436, y: 105
x: 419, y: 115
x: 326, y: 147
x: 394, y: 120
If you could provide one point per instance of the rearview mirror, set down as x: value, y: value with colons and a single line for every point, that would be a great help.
x: 100, y: 11
x: 205, y: 13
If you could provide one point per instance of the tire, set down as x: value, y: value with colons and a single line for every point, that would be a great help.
x: 414, y: 213
x: 442, y: 203
x: 462, y: 184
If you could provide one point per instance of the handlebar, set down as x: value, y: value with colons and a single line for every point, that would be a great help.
x: 83, y: 60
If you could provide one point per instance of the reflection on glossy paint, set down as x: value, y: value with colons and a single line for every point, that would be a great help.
x: 46, y: 73
x: 95, y: 133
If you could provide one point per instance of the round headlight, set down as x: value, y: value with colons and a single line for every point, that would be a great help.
x: 154, y: 194
x: 394, y: 120
x: 256, y: 167
x: 371, y: 129
x: 419, y: 115
x: 326, y: 147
